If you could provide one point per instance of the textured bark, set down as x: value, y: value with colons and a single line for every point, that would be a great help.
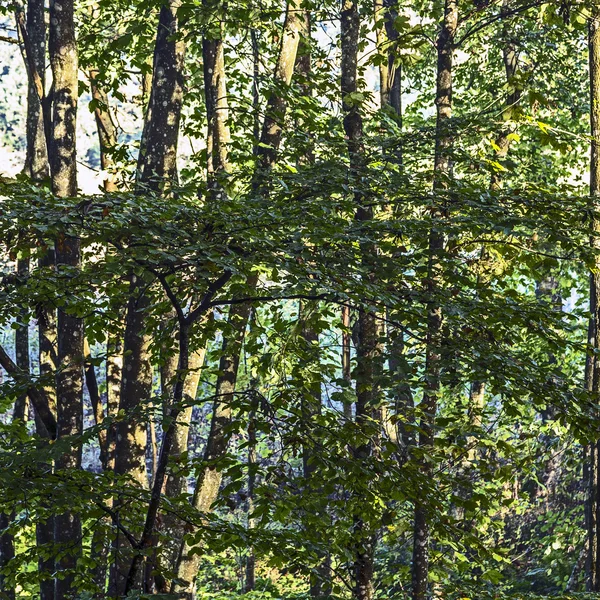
x: 31, y: 29
x: 368, y: 348
x: 217, y: 108
x: 36, y: 160
x: 114, y: 380
x: 346, y: 362
x: 22, y: 347
x: 47, y: 335
x: 69, y: 393
x: 136, y: 385
x: 442, y: 170
x: 157, y: 171
x: 171, y: 527
x: 157, y: 163
x: 390, y: 74
x: 592, y: 374
x: 130, y: 435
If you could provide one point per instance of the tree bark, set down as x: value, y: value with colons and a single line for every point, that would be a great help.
x: 107, y: 131
x: 69, y: 379
x: 36, y: 160
x: 592, y: 374
x: 442, y: 169
x: 156, y: 172
x: 368, y: 348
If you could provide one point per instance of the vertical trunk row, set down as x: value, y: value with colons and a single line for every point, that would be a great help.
x: 209, y: 479
x: 592, y: 374
x: 442, y: 168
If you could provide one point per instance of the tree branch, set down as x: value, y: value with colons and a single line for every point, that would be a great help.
x: 38, y: 398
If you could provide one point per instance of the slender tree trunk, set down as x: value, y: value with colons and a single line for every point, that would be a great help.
x: 346, y: 360
x: 157, y: 171
x: 250, y: 582
x: 368, y: 350
x: 107, y: 131
x: 69, y: 378
x: 442, y: 169
x: 172, y: 527
x: 592, y: 374
x: 36, y: 160
x: 390, y: 73
x: 114, y: 381
x: 47, y: 336
x: 209, y: 479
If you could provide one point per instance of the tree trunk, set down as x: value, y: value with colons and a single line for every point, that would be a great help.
x: 442, y: 169
x: 209, y: 479
x: 69, y: 379
x: 368, y: 348
x: 107, y: 132
x: 157, y: 171
x: 47, y: 335
x: 36, y: 160
x: 592, y: 374
x: 172, y: 527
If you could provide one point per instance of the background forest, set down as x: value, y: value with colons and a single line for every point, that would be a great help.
x: 299, y: 300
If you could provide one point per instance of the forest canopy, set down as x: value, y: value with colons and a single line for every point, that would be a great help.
x: 300, y: 300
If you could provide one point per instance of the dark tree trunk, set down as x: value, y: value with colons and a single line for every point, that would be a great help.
x: 442, y: 169
x: 368, y: 347
x: 592, y: 374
